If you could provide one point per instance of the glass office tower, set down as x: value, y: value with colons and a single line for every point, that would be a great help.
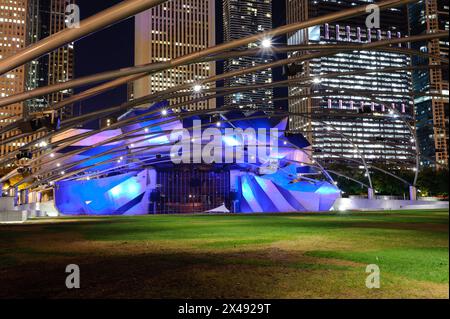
x: 431, y: 112
x: 244, y: 18
x: 331, y: 107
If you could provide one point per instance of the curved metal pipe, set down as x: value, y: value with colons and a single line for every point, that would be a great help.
x: 274, y: 84
x: 120, y: 148
x: 372, y: 166
x: 197, y: 100
x: 349, y: 178
x: 119, y: 81
x: 94, y: 23
x: 189, y: 58
x: 123, y: 80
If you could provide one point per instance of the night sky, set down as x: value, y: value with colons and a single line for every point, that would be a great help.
x: 113, y: 48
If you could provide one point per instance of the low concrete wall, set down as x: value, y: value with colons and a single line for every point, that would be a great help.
x: 42, y: 209
x: 7, y: 204
x: 48, y: 209
x: 345, y: 204
x: 12, y: 216
x: 33, y: 210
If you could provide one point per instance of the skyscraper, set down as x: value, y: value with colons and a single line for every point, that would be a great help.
x: 243, y: 18
x: 23, y: 22
x: 431, y: 112
x: 13, y: 37
x: 171, y: 30
x: 333, y: 121
x: 46, y: 17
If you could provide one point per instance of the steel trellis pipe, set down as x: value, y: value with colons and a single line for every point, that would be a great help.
x: 120, y: 137
x: 208, y: 111
x: 119, y: 148
x: 123, y: 80
x: 233, y: 89
x: 186, y: 59
x: 100, y: 88
x: 274, y: 84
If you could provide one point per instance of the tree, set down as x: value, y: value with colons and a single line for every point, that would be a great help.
x: 433, y: 182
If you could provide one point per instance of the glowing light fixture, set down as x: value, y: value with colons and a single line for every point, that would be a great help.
x: 197, y: 88
x: 317, y: 81
x: 266, y: 43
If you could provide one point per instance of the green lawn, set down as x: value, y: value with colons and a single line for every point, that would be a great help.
x: 230, y: 256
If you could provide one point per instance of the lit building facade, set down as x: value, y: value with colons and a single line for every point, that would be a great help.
x: 171, y: 30
x: 334, y: 123
x: 46, y: 17
x: 22, y: 23
x: 242, y: 18
x: 431, y: 112
x: 13, y: 37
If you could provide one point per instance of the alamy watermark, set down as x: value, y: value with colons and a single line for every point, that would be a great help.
x: 72, y: 18
x: 73, y: 279
x: 224, y: 146
x: 373, y: 281
x: 373, y: 19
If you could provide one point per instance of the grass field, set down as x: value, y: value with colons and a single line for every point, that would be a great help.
x: 238, y: 256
